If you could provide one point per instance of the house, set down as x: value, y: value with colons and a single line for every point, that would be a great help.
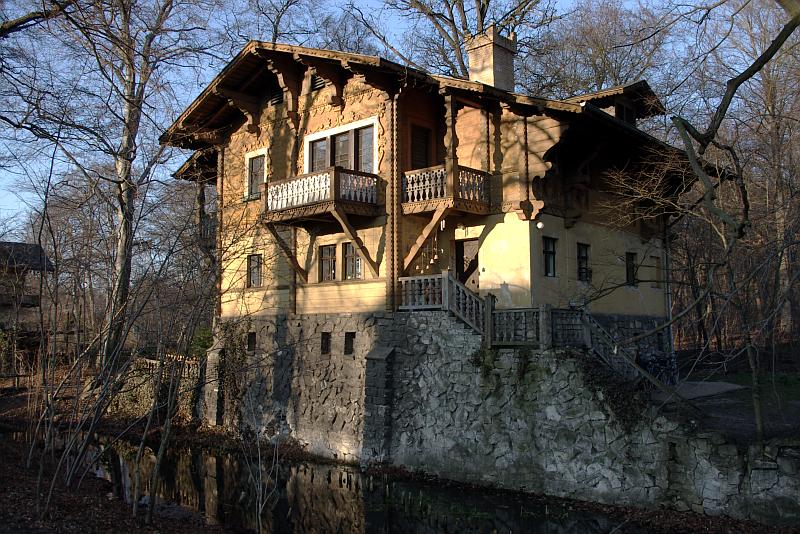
x: 20, y: 264
x: 350, y: 189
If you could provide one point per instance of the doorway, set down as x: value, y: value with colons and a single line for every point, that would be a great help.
x: 467, y: 271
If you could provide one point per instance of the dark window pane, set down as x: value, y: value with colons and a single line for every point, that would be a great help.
x: 365, y: 149
x: 630, y: 268
x: 327, y: 263
x: 349, y: 342
x: 420, y: 147
x: 341, y: 150
x: 254, y: 270
x: 352, y: 262
x: 255, y: 175
x: 584, y: 273
x: 319, y: 155
x: 549, y: 253
x: 325, y: 343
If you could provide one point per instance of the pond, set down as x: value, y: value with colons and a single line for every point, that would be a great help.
x: 308, y: 497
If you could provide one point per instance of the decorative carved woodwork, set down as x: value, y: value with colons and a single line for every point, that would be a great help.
x: 440, y: 213
x: 339, y: 214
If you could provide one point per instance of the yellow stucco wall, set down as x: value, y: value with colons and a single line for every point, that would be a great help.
x: 243, y: 235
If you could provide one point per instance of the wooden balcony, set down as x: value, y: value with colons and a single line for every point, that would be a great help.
x: 465, y: 190
x: 317, y: 193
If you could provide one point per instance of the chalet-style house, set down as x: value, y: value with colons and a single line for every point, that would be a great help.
x: 19, y: 296
x: 348, y: 185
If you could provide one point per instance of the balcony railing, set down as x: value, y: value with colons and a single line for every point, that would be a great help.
x: 432, y: 183
x: 332, y: 184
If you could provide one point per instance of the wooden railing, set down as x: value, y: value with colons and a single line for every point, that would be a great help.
x: 466, y: 305
x: 187, y: 369
x: 334, y: 183
x: 519, y: 326
x: 424, y: 184
x: 442, y: 292
x: 432, y: 183
x: 472, y: 185
x: 567, y: 328
x: 421, y: 292
x: 605, y: 347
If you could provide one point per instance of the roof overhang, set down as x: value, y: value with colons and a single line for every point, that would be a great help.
x: 640, y: 94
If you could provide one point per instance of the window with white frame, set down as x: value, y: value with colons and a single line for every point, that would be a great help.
x: 350, y: 146
x: 256, y: 169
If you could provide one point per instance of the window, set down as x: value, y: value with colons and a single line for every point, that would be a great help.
x: 327, y: 263
x: 657, y: 274
x: 349, y: 342
x: 584, y: 273
x: 549, y: 252
x: 352, y: 262
x: 341, y: 150
x: 630, y: 268
x: 420, y: 147
x: 325, y: 343
x: 319, y: 155
x: 255, y: 175
x: 351, y: 146
x: 365, y: 150
x: 251, y: 342
x: 254, y: 262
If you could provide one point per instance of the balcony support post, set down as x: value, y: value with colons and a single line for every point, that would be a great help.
x: 450, y: 144
x: 351, y: 234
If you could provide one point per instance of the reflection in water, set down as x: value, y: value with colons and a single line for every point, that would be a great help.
x: 325, y: 498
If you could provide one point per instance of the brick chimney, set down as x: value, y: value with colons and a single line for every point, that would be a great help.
x: 491, y: 58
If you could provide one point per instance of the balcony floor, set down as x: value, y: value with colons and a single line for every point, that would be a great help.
x: 317, y: 210
x: 473, y: 207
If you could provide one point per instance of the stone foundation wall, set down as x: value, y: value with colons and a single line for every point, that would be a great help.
x: 419, y: 392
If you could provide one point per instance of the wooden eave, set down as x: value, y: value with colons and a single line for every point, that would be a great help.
x: 215, y: 108
x: 640, y: 93
x: 201, y: 167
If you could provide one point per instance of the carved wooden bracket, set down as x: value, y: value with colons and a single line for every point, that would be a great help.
x: 333, y: 73
x: 250, y: 106
x: 440, y: 213
x: 288, y: 252
x: 351, y: 234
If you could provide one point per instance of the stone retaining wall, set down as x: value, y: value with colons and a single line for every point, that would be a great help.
x: 418, y: 391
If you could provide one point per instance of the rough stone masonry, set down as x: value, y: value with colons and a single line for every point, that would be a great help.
x: 416, y: 390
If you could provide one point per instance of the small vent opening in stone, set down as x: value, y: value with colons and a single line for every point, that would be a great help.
x: 349, y: 342
x: 251, y: 342
x: 325, y: 343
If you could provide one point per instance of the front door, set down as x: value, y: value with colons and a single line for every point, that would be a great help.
x: 467, y: 270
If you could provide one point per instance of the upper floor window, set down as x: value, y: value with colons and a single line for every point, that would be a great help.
x: 254, y: 262
x: 584, y: 272
x: 327, y: 263
x: 351, y: 146
x: 630, y: 268
x: 256, y: 174
x: 352, y: 262
x: 319, y: 155
x: 549, y: 253
x: 420, y: 147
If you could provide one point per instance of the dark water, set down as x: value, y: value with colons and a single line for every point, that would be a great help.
x: 308, y: 497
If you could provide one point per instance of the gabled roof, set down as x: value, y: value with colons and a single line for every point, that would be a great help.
x: 247, y: 77
x: 16, y: 255
x: 639, y: 93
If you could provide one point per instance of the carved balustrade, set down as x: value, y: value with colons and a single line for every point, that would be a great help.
x: 332, y: 184
x: 433, y: 183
